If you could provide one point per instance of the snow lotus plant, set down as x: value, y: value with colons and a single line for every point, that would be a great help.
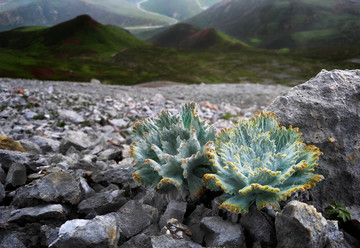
x: 169, y: 151
x: 260, y: 162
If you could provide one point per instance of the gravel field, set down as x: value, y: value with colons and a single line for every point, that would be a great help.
x: 240, y: 95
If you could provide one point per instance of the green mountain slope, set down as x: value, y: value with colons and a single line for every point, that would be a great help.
x: 279, y: 24
x: 187, y: 36
x: 18, y: 13
x: 78, y: 37
x: 81, y: 49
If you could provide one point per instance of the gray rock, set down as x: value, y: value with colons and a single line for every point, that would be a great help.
x: 326, y: 109
x: 70, y: 115
x: 86, y: 190
x: 56, y: 187
x: 54, y: 213
x: 120, y: 175
x: 2, y: 193
x: 335, y: 237
x: 110, y: 154
x: 174, y: 210
x: 155, y: 199
x: 121, y: 123
x: 78, y: 139
x: 16, y: 175
x: 8, y: 158
x: 220, y: 233
x: 193, y: 222
x: 132, y: 219
x: 103, y: 203
x: 46, y: 144
x: 299, y: 225
x: 30, y: 114
x: 2, y: 175
x: 152, y: 230
x: 31, y: 147
x: 166, y: 241
x: 48, y: 234
x: 260, y: 227
x: 11, y: 241
x: 352, y: 241
x: 140, y: 240
x: 102, y: 231
x: 152, y: 213
x: 59, y: 158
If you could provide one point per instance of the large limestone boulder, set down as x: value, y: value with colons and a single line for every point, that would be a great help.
x: 327, y: 111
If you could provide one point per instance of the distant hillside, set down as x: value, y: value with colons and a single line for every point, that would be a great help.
x: 178, y: 9
x: 187, y: 36
x: 81, y: 49
x: 81, y: 36
x: 279, y: 24
x: 17, y: 13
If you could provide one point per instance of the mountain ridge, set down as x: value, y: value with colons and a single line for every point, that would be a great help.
x: 184, y: 35
x: 277, y: 24
x: 42, y: 12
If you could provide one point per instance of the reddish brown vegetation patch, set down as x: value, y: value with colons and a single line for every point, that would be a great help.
x: 88, y: 53
x: 6, y: 73
x: 67, y: 73
x: 62, y: 55
x: 41, y: 72
x: 73, y: 41
x: 201, y: 34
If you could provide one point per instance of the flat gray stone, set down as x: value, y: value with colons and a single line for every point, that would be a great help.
x: 77, y: 139
x: 220, y: 233
x: 11, y: 241
x: 8, y: 158
x: 58, y: 187
x: 54, y: 213
x: 16, y: 175
x: 132, y: 219
x: 176, y: 210
x: 166, y: 241
x: 260, y: 227
x: 70, y: 115
x: 100, y: 232
x: 140, y: 240
x: 103, y: 203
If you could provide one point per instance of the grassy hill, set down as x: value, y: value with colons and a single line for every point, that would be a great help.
x: 81, y: 49
x: 277, y: 24
x: 78, y: 37
x: 187, y: 36
x: 17, y: 13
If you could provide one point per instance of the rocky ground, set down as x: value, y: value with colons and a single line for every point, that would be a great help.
x: 73, y: 185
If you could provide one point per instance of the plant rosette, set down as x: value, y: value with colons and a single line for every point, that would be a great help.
x: 259, y: 162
